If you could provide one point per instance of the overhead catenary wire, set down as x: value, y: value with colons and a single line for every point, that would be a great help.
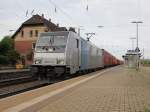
x: 26, y: 11
x: 56, y: 8
x: 21, y: 8
x: 22, y: 14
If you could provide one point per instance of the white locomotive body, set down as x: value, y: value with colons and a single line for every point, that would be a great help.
x: 57, y: 53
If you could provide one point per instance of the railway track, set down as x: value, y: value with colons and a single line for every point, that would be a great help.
x: 12, y: 74
x: 20, y: 87
x: 18, y: 80
x: 21, y: 83
x: 11, y: 77
x: 13, y: 87
x: 17, y: 88
x: 13, y: 82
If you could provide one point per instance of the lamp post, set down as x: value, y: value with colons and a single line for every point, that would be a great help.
x: 137, y: 40
x: 137, y: 33
x: 143, y: 56
x: 132, y: 39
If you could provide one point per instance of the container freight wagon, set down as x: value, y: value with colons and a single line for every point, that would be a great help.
x: 106, y: 58
x: 109, y: 60
x: 114, y: 61
x: 91, y: 56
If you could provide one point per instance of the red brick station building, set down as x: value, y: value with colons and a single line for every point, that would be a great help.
x: 26, y: 35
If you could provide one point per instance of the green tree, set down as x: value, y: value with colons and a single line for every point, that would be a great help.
x: 5, y: 45
x: 8, y: 55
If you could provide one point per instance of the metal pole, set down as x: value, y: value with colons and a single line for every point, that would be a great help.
x: 132, y: 39
x: 137, y: 32
x: 143, y: 56
x: 132, y: 44
x: 137, y: 45
x: 79, y: 31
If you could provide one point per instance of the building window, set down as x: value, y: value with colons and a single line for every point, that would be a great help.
x: 77, y: 43
x: 46, y: 30
x: 31, y: 33
x: 22, y: 33
x: 36, y: 33
x: 33, y: 45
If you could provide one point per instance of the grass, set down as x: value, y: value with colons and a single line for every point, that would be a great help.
x: 147, y: 110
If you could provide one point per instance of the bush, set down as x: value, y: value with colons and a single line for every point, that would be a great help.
x: 13, y: 56
x: 4, y: 60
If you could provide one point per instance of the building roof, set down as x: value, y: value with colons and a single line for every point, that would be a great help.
x: 40, y: 20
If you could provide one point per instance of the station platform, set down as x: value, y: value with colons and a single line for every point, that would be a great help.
x: 116, y: 89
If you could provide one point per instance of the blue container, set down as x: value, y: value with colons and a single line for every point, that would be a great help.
x: 84, y: 54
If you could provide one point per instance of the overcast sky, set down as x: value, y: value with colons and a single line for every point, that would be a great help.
x: 114, y: 15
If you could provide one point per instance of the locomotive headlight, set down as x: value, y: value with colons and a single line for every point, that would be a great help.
x: 60, y: 61
x: 38, y: 61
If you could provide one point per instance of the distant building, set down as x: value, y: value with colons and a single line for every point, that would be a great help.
x: 132, y: 58
x: 25, y: 37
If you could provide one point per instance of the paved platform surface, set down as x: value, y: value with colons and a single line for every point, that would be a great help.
x: 120, y: 90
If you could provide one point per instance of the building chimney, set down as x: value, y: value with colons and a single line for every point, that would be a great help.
x: 49, y: 19
x: 43, y: 15
x: 57, y: 25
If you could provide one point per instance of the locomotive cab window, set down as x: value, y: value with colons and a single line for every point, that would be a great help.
x: 52, y: 43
